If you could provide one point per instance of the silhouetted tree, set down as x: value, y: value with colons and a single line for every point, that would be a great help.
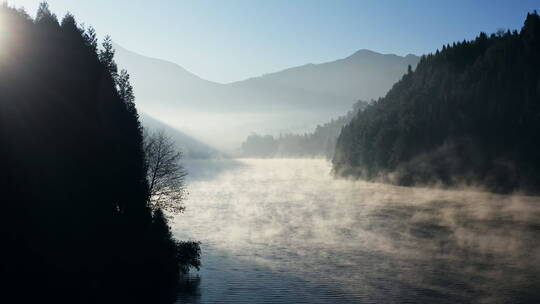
x: 106, y: 56
x: 44, y: 16
x: 90, y: 38
x: 125, y: 90
x: 165, y: 174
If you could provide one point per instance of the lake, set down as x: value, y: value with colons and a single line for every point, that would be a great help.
x: 286, y: 231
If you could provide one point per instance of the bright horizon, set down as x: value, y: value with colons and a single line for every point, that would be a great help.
x: 231, y: 41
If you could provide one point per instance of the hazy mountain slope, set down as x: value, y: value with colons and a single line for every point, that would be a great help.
x: 290, y: 101
x: 364, y: 75
x: 190, y: 147
x: 160, y: 83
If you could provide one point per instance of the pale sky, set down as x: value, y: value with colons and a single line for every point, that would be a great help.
x: 226, y: 41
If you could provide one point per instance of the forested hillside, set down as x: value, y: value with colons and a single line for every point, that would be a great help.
x: 469, y: 114
x: 76, y: 226
x: 320, y: 143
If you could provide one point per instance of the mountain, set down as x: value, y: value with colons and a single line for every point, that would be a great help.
x: 293, y: 100
x: 160, y: 83
x: 364, y: 75
x: 469, y: 114
x: 190, y: 147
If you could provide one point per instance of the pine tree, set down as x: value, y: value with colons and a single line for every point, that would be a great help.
x: 106, y: 57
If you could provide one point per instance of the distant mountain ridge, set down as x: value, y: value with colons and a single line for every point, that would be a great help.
x: 364, y: 75
x: 295, y: 99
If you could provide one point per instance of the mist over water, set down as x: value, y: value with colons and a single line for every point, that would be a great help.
x: 286, y: 231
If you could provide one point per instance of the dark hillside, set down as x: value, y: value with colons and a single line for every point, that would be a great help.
x: 76, y: 225
x: 468, y: 114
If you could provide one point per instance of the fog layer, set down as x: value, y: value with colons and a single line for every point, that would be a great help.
x: 367, y: 241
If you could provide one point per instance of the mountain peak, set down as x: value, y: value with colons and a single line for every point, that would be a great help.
x: 365, y: 53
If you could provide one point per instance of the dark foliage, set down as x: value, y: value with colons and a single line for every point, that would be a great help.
x: 76, y: 225
x: 469, y: 113
x: 319, y: 143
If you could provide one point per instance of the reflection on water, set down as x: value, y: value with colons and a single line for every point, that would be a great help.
x: 189, y: 289
x: 284, y: 231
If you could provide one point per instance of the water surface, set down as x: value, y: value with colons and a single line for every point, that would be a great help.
x: 285, y: 231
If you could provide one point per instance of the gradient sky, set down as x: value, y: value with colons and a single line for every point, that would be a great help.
x: 232, y: 40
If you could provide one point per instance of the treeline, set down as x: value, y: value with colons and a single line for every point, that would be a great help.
x: 76, y: 222
x: 320, y: 143
x: 469, y: 114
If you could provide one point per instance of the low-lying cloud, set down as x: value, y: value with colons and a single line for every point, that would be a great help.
x: 375, y: 240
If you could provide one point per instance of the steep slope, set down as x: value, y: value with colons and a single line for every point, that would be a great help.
x: 190, y: 147
x: 469, y: 114
x: 162, y: 82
